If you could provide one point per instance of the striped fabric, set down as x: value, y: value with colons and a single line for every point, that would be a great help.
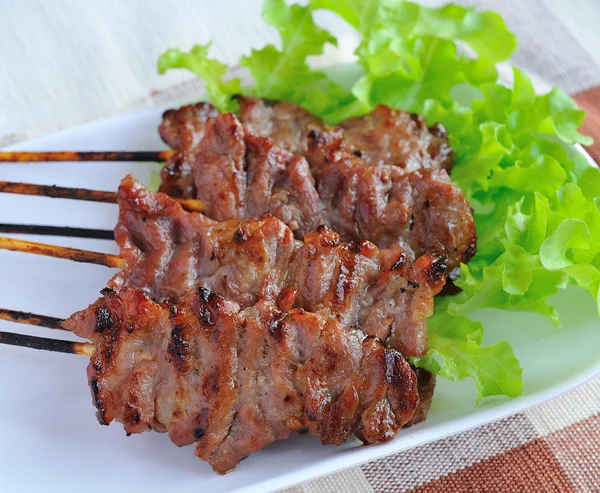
x: 554, y: 447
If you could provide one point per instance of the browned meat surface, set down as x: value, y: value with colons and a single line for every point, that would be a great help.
x: 241, y: 175
x: 381, y: 292
x: 396, y: 138
x: 281, y: 184
x: 168, y: 251
x: 218, y: 169
x: 183, y: 130
x: 232, y: 381
x: 384, y: 136
x: 410, y: 201
x: 422, y: 210
x: 286, y: 124
x: 398, y: 304
x: 426, y: 386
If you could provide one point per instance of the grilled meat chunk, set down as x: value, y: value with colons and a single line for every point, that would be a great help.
x: 286, y: 124
x: 234, y: 380
x: 421, y: 210
x: 396, y: 138
x: 241, y: 176
x: 168, y: 251
x: 183, y: 130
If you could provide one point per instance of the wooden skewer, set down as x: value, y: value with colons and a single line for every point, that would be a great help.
x: 30, y: 229
x: 43, y: 343
x: 77, y: 156
x: 75, y: 254
x: 30, y: 319
x: 58, y: 192
x: 54, y: 191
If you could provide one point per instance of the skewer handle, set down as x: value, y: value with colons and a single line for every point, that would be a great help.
x: 32, y: 229
x: 30, y: 319
x: 78, y: 156
x: 58, y: 192
x: 192, y: 205
x: 75, y: 254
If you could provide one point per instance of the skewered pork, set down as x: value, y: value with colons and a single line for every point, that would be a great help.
x: 169, y: 251
x: 234, y: 380
x: 243, y: 168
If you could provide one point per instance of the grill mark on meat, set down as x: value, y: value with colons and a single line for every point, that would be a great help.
x: 105, y: 322
x: 205, y: 308
x: 391, y: 362
x: 240, y: 235
x: 437, y: 270
x: 96, y: 388
x: 132, y: 413
x: 276, y: 327
x: 400, y: 262
x: 179, y: 349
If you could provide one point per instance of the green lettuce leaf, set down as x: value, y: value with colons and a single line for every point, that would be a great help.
x: 456, y: 352
x: 211, y: 71
x: 536, y: 202
x: 285, y: 73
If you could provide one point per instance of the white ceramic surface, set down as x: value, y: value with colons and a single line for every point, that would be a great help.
x: 49, y: 437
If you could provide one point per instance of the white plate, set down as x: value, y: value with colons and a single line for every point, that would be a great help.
x: 49, y: 437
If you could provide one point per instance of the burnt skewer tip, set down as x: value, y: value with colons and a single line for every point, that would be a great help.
x: 45, y: 344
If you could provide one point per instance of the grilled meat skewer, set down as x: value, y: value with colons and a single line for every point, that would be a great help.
x: 168, y: 251
x: 234, y: 380
x: 277, y: 158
